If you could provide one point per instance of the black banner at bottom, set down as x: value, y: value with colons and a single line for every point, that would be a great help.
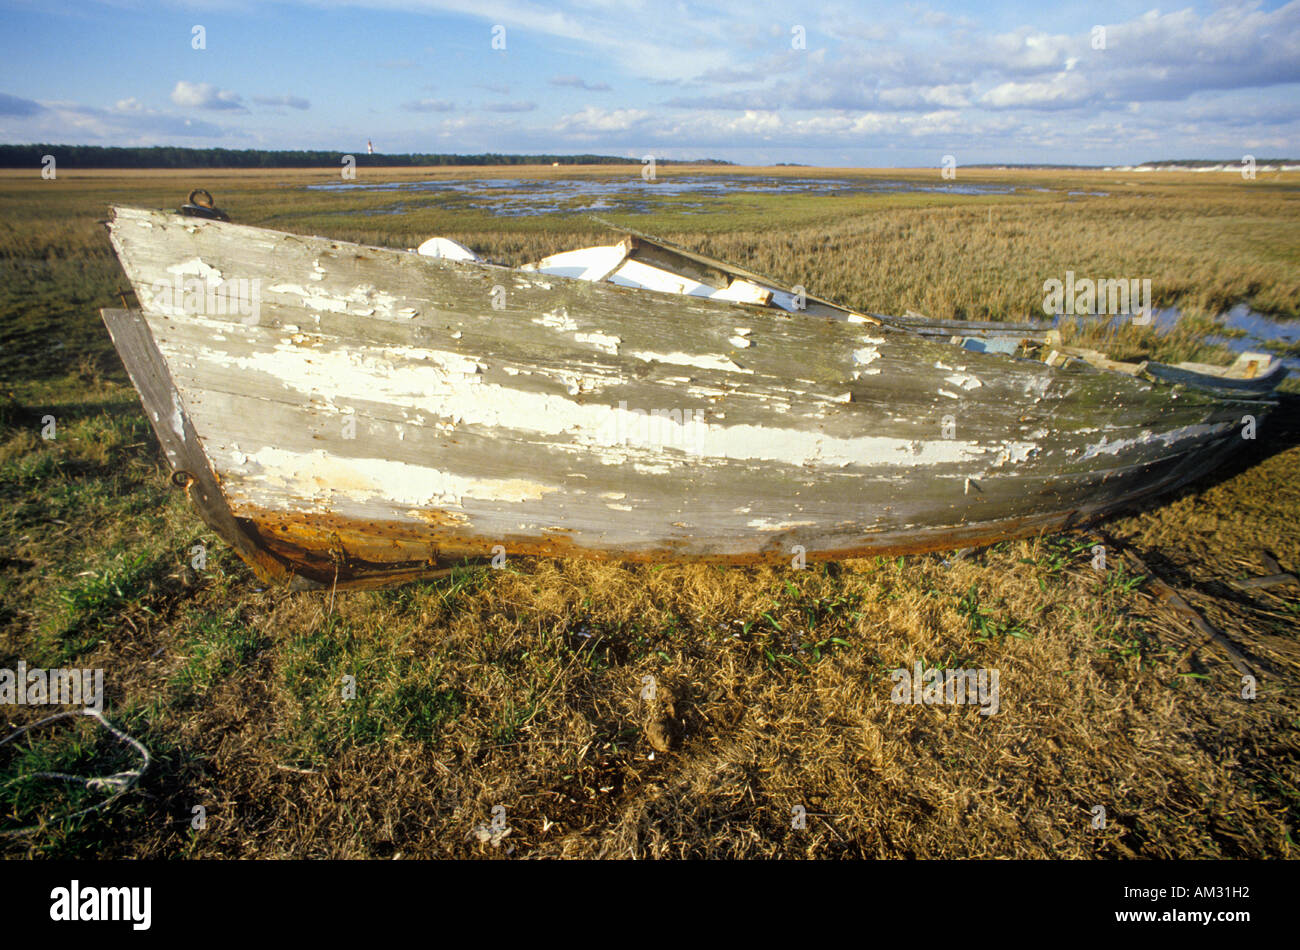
x: 303, y: 899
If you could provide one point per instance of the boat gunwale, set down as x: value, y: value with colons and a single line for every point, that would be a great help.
x: 910, y: 325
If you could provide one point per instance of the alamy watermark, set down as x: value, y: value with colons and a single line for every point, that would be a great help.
x: 682, y: 429
x: 76, y: 903
x: 1088, y: 297
x: 54, y: 687
x: 978, y: 687
x: 194, y: 296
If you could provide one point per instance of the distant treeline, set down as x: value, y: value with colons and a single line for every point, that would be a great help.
x: 99, y: 156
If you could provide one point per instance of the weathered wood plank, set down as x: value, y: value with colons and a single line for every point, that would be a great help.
x: 264, y: 359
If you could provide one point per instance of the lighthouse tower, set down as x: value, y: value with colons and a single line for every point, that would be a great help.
x: 370, y: 147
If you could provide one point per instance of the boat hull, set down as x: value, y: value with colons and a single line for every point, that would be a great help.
x: 375, y: 415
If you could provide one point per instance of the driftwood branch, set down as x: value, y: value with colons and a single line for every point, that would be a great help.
x: 1270, y: 580
x: 1275, y: 578
x: 1174, y: 601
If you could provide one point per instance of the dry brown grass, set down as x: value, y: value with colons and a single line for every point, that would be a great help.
x: 1104, y: 701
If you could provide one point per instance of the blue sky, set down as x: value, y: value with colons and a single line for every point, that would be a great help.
x: 888, y: 84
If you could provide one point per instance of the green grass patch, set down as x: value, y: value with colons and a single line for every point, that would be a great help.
x: 354, y: 687
x: 84, y: 608
x: 220, y: 645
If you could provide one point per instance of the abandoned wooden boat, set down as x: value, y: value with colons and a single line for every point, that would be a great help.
x: 355, y: 415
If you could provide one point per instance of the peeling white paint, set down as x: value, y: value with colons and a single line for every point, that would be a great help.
x: 964, y: 380
x: 320, y: 474
x: 1015, y: 453
x: 765, y: 524
x: 362, y: 300
x: 651, y: 469
x: 311, y: 299
x: 557, y: 319
x: 178, y: 416
x: 602, y: 341
x: 577, y: 385
x: 1038, y: 386
x: 195, y: 267
x: 700, y: 361
x: 1105, y: 447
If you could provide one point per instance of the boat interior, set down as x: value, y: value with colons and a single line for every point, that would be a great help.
x: 641, y: 261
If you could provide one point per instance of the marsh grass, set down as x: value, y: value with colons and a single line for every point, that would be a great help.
x: 524, y: 686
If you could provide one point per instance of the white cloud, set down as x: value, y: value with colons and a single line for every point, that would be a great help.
x: 204, y: 95
x: 953, y: 95
x: 1063, y: 89
x: 592, y: 119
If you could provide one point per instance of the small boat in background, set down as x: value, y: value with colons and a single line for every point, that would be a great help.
x: 356, y: 415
